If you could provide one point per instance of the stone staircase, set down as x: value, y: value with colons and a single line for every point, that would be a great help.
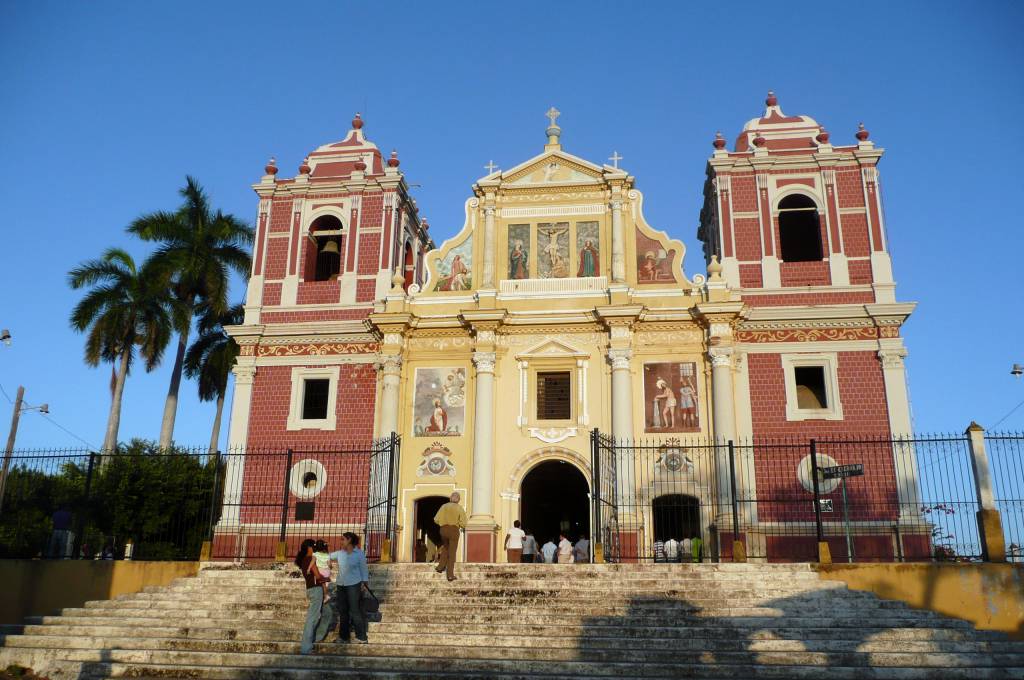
x: 559, y: 622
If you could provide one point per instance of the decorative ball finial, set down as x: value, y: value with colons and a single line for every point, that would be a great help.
x: 719, y: 142
x: 357, y: 122
x: 862, y: 134
x: 823, y: 136
x: 271, y: 167
x: 360, y: 165
x: 304, y: 169
x: 393, y: 162
x: 771, y: 100
x: 759, y: 141
x: 397, y: 283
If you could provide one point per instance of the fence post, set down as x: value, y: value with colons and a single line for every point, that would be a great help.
x: 824, y: 554
x: 279, y: 553
x: 385, y: 548
x: 990, y: 525
x: 739, y: 546
x: 80, y: 520
x: 595, y: 491
x: 206, y: 551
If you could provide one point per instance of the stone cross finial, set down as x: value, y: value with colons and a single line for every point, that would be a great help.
x: 615, y: 158
x: 553, y: 114
x: 490, y: 167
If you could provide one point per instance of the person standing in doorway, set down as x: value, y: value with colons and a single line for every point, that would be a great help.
x: 581, y: 551
x: 672, y: 550
x: 514, y: 543
x: 564, y: 550
x: 452, y: 519
x: 549, y: 551
x: 531, y: 551
x: 353, y: 581
x: 659, y: 550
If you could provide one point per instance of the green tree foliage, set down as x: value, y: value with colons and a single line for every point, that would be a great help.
x: 160, y: 500
x: 211, y: 358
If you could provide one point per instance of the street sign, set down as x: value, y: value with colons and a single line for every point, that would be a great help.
x: 842, y: 471
x: 826, y: 504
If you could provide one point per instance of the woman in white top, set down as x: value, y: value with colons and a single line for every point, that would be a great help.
x: 564, y: 550
x: 514, y: 543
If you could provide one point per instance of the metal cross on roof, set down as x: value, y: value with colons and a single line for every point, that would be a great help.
x: 490, y: 167
x: 553, y: 114
x: 615, y: 158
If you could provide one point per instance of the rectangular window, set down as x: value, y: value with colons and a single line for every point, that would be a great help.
x: 810, y: 387
x: 314, y: 398
x: 554, y: 396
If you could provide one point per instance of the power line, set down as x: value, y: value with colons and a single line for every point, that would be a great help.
x: 54, y: 422
x: 1012, y: 410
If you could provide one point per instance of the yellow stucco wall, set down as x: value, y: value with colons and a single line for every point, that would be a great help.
x: 41, y: 587
x: 991, y: 596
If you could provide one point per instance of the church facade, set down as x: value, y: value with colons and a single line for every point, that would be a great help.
x: 555, y: 311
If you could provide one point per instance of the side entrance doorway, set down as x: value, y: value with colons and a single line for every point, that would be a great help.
x: 675, y: 516
x: 554, y: 498
x: 426, y: 533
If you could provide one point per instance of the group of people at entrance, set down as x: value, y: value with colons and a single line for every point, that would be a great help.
x: 522, y: 547
x: 686, y: 550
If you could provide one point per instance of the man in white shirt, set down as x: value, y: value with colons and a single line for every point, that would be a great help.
x: 659, y: 550
x: 514, y: 543
x: 530, y: 548
x: 672, y: 550
x: 549, y: 551
x: 686, y: 547
x: 564, y: 550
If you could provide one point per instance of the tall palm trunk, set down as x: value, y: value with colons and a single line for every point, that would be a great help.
x: 215, y: 435
x: 171, y: 405
x: 114, y: 419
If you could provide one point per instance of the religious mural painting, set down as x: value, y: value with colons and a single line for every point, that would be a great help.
x: 439, y: 402
x: 455, y: 270
x: 653, y: 262
x: 670, y: 397
x: 588, y: 249
x: 519, y: 251
x: 553, y: 244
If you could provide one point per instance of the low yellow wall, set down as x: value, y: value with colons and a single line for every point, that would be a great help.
x: 991, y: 596
x: 43, y: 587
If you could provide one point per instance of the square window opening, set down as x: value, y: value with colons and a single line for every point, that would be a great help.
x: 810, y: 387
x: 314, y: 398
x: 554, y: 395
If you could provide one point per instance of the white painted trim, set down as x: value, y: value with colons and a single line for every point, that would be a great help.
x: 830, y: 362
x: 299, y: 375
x: 555, y: 210
x: 319, y: 360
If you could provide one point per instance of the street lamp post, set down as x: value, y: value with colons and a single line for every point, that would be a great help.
x: 19, y: 407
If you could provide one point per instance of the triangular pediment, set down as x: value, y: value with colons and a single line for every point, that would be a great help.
x: 552, y: 349
x: 550, y: 168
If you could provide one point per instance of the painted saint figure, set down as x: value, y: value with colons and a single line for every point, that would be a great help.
x: 688, y: 404
x: 438, y: 419
x: 457, y: 276
x: 589, y: 266
x: 668, y: 405
x: 517, y: 262
x: 648, y: 268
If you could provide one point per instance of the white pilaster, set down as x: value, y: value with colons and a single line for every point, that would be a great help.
x: 622, y: 424
x: 241, y: 405
x: 488, y: 277
x: 618, y: 241
x: 391, y: 367
x: 724, y: 411
x: 483, y: 436
x: 898, y: 406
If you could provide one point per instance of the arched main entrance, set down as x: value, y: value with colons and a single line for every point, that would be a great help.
x: 555, y: 498
x: 426, y: 527
x: 675, y: 516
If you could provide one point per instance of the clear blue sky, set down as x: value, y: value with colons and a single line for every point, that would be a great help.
x: 107, y: 106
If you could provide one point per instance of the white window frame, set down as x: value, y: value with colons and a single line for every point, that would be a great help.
x: 300, y: 374
x: 828, y: 361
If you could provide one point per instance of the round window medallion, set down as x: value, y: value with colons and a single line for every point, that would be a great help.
x: 436, y: 465
x: 307, y: 479
x: 803, y: 474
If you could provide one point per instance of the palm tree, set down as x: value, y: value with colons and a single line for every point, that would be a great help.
x: 210, y: 359
x: 126, y: 308
x: 199, y: 248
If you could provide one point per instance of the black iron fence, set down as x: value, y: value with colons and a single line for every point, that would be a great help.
x: 144, y: 503
x: 869, y: 499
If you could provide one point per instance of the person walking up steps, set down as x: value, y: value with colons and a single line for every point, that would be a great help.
x: 531, y: 551
x: 514, y: 543
x: 452, y: 519
x: 353, y: 579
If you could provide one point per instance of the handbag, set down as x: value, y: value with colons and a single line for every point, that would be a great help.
x: 370, y: 605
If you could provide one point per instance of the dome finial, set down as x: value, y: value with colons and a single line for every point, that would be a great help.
x: 719, y: 142
x: 357, y: 122
x: 393, y: 162
x: 271, y: 167
x: 304, y: 169
x: 553, y: 131
x: 771, y: 99
x: 862, y: 134
x: 823, y: 136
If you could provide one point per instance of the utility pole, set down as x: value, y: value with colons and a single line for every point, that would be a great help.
x: 9, y: 451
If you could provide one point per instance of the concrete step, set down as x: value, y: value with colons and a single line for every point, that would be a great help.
x: 334, y: 657
x: 287, y: 642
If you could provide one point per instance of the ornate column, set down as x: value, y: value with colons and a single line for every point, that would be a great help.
x: 618, y: 238
x: 483, y: 436
x: 622, y: 393
x: 722, y: 405
x: 390, y: 367
x: 488, y: 275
